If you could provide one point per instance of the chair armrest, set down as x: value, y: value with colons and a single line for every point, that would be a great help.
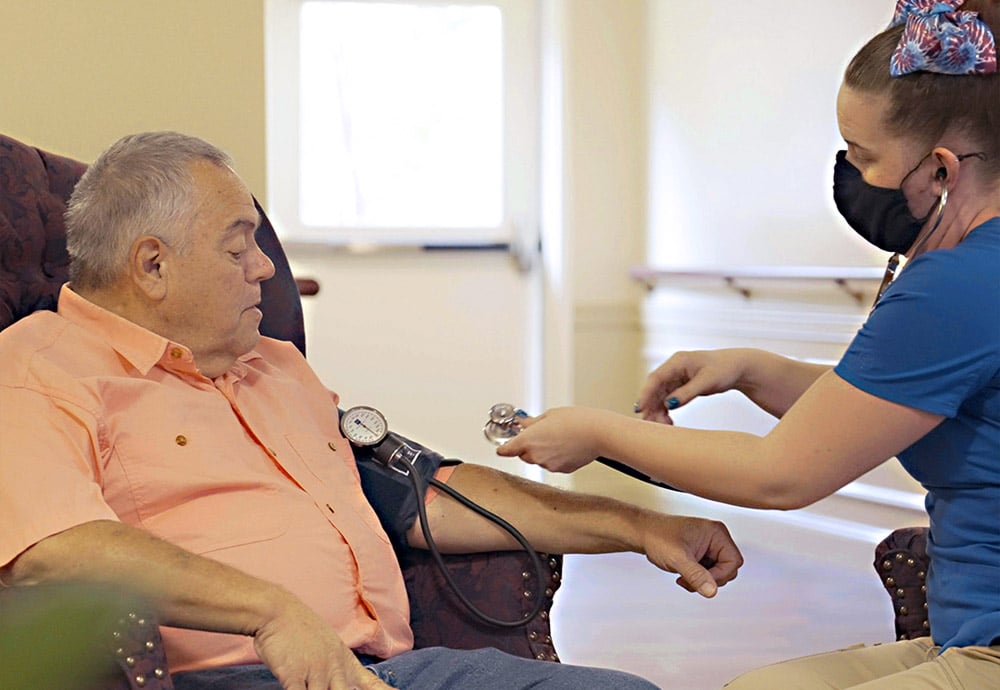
x: 138, y: 651
x: 901, y: 561
x: 307, y: 287
x: 501, y: 583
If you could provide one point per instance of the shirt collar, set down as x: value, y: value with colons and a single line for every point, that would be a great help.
x: 142, y: 348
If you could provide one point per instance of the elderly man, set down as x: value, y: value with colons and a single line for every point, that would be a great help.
x: 151, y: 438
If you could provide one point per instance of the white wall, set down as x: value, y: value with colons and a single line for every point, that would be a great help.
x: 693, y: 138
x: 743, y: 130
x: 416, y: 335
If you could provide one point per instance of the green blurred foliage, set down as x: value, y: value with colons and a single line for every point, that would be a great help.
x: 58, y: 637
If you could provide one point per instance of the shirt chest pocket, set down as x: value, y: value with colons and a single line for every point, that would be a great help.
x: 223, y: 517
x: 325, y: 468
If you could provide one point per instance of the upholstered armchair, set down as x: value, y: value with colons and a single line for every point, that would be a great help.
x: 34, y: 188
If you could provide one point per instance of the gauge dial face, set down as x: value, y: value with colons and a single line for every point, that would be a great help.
x: 363, y: 426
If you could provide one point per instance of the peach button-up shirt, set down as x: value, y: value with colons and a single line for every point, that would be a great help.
x: 102, y: 419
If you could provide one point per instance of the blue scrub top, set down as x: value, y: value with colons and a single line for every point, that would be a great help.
x: 933, y: 343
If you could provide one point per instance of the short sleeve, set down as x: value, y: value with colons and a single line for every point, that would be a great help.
x: 49, y: 469
x: 933, y: 340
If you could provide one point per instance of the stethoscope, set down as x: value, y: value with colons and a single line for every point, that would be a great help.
x: 504, y: 424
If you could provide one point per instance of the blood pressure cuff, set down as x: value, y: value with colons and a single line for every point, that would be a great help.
x: 391, y: 493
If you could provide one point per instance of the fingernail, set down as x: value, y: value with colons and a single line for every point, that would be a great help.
x: 707, y: 590
x: 673, y: 403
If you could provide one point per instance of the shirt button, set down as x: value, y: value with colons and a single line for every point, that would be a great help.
x: 176, y: 353
x: 181, y: 440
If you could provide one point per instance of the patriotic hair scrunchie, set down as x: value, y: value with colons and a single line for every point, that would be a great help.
x: 940, y: 38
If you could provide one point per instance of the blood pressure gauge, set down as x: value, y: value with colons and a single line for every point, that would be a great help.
x: 364, y: 426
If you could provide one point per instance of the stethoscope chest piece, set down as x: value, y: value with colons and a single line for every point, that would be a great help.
x: 504, y: 423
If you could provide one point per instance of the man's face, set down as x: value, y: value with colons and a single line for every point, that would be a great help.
x: 213, y: 293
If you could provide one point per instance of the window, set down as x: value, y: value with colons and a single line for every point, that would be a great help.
x: 406, y: 123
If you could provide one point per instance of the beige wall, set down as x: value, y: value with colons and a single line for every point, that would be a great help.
x: 605, y: 141
x: 78, y: 75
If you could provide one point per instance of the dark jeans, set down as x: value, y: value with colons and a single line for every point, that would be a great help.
x: 437, y: 668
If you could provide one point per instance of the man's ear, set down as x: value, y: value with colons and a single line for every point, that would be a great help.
x: 148, y: 266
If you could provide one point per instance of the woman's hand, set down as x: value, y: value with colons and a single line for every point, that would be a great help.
x: 563, y: 439
x: 687, y: 375
x: 770, y: 381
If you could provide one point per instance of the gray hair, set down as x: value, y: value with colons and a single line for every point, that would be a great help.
x: 141, y: 185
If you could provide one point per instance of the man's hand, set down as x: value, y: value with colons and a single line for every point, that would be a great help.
x: 305, y: 653
x: 700, y: 551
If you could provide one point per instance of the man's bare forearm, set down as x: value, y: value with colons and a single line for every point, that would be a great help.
x: 551, y: 519
x: 557, y: 521
x: 185, y: 589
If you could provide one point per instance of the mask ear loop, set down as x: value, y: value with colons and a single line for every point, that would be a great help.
x: 893, y: 264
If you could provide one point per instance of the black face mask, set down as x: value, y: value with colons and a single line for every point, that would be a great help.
x: 880, y: 215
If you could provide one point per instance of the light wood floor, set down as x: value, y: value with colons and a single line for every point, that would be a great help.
x: 799, y: 593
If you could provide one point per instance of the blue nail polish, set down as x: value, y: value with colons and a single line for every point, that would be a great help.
x: 673, y: 403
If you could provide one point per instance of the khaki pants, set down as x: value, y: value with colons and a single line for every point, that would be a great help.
x: 910, y: 664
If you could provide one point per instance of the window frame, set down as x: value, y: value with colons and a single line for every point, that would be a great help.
x: 518, y: 227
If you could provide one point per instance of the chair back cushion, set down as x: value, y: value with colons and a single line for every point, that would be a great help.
x: 34, y: 188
